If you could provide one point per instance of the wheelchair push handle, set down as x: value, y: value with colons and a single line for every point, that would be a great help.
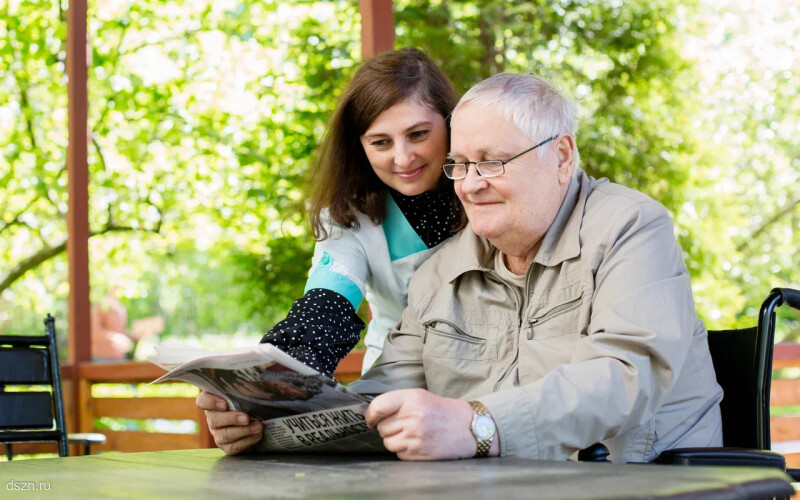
x: 788, y: 296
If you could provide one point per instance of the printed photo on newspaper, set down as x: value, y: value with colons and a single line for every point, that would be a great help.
x: 302, y: 410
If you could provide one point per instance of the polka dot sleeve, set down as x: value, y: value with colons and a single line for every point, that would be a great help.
x: 320, y: 330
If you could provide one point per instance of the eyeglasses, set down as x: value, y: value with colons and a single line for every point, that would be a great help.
x: 491, y: 168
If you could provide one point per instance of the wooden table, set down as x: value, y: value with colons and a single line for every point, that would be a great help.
x: 207, y: 473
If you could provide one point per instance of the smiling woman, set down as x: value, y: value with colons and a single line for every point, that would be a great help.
x: 379, y: 205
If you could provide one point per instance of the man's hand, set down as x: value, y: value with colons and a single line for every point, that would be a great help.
x: 418, y: 425
x: 233, y: 431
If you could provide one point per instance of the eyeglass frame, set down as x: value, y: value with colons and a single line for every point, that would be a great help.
x: 502, y: 163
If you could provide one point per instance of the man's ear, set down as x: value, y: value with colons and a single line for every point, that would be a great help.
x: 565, y: 151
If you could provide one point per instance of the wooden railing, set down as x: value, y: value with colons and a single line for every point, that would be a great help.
x: 92, y: 408
x: 349, y: 368
x: 785, y: 392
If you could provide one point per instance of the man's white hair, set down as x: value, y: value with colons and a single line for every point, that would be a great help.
x: 537, y: 108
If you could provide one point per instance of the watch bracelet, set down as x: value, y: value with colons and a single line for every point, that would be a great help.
x: 485, y: 445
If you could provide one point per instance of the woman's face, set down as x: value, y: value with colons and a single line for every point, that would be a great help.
x: 407, y: 146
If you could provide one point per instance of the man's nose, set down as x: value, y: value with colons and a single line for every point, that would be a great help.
x: 404, y: 154
x: 472, y: 182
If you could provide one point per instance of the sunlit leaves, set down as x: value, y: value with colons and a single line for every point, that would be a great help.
x: 713, y: 136
x: 203, y: 118
x: 205, y: 114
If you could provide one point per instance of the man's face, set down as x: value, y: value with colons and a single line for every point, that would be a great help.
x: 515, y: 209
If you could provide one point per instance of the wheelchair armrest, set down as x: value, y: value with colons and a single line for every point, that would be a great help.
x: 722, y: 456
x: 789, y: 296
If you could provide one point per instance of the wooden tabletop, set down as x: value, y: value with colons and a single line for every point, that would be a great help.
x: 206, y: 473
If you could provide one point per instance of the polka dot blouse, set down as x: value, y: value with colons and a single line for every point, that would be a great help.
x: 322, y: 326
x: 432, y: 214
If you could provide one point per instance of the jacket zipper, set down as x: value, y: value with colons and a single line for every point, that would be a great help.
x: 507, y: 372
x: 514, y: 362
x: 460, y: 335
x: 552, y: 313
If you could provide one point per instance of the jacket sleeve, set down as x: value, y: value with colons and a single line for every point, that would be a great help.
x: 400, y: 363
x: 621, y: 372
x: 322, y: 326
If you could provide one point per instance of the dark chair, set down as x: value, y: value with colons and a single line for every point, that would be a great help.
x: 743, y: 364
x: 28, y: 413
x: 742, y: 369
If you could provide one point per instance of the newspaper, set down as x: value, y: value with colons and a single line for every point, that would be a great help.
x: 302, y: 410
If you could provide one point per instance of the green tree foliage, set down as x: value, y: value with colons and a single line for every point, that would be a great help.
x: 205, y: 115
x: 675, y: 123
x: 621, y: 61
x: 743, y: 203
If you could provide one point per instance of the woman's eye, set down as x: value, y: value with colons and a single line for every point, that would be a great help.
x: 380, y: 143
x: 419, y: 134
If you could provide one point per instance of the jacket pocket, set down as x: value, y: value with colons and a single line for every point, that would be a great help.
x: 557, y: 319
x: 446, y: 339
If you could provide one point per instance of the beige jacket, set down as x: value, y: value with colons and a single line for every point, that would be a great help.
x: 604, y: 345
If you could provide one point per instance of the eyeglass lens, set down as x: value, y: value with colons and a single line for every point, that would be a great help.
x: 491, y: 168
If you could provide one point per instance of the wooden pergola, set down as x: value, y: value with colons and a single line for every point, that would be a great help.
x: 377, y: 35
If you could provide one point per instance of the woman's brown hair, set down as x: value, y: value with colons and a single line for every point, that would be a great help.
x: 341, y: 178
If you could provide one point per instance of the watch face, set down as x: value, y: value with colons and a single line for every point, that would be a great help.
x: 484, y: 427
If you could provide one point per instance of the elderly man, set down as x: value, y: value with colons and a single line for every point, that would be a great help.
x: 561, y: 316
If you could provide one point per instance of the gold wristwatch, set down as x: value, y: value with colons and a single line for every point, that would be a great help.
x: 483, y: 428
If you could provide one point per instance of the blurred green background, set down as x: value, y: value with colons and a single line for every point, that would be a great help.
x: 204, y: 116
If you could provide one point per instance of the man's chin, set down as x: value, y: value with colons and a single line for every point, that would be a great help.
x: 485, y: 228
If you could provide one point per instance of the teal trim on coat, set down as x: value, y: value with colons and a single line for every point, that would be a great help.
x: 323, y: 277
x: 400, y: 236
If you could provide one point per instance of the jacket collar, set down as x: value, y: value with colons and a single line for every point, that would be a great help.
x: 560, y: 243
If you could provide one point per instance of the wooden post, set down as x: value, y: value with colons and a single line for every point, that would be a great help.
x: 79, y: 341
x: 78, y: 185
x: 377, y: 27
x: 86, y: 406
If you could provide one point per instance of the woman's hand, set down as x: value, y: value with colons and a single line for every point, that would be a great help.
x: 233, y: 431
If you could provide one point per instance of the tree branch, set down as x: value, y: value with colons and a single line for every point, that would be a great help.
x: 99, y: 153
x: 178, y: 36
x: 26, y: 112
x: 156, y: 229
x: 775, y: 218
x: 112, y: 71
x: 48, y: 252
x: 487, y: 40
x: 15, y: 220
x: 35, y: 260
